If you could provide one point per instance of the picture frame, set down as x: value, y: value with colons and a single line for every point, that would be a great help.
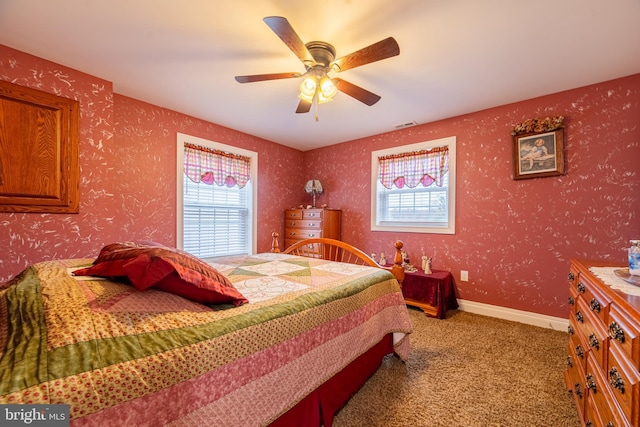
x: 537, y: 155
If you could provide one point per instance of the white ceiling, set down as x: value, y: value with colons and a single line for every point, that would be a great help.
x: 456, y: 56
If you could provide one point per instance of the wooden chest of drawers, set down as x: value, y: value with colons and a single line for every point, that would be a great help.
x: 311, y: 223
x: 603, y: 362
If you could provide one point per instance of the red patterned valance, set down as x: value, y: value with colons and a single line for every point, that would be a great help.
x: 424, y: 167
x: 202, y: 164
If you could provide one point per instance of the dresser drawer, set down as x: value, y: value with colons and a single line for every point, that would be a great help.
x: 573, y: 276
x: 597, y: 301
x: 316, y: 214
x: 624, y: 331
x: 293, y: 214
x: 574, y: 378
x: 304, y: 223
x: 301, y: 233
x: 625, y: 383
x: 572, y: 300
x: 598, y: 408
x: 578, y: 346
x: 592, y: 331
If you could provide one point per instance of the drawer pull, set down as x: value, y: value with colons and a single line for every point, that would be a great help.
x: 616, y: 380
x: 579, y: 352
x: 571, y: 301
x: 593, y: 341
x: 579, y: 317
x: 581, y: 288
x: 312, y: 224
x: 595, y: 305
x: 578, y: 390
x: 292, y: 233
x: 569, y: 362
x: 616, y: 332
x: 311, y: 235
x: 571, y: 330
x: 571, y: 276
x: 292, y: 223
x: 589, y: 424
x: 591, y: 383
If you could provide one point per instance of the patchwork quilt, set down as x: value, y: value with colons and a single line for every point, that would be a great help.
x: 120, y: 356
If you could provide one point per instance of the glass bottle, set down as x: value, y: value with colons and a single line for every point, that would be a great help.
x: 634, y: 258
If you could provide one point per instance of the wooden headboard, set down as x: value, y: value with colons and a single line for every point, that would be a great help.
x: 336, y: 250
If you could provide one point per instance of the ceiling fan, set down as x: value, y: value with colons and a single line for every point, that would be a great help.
x: 319, y: 59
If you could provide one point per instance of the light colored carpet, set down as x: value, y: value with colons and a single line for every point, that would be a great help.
x: 468, y: 370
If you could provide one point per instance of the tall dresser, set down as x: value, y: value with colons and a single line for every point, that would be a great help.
x: 312, y: 223
x: 603, y: 362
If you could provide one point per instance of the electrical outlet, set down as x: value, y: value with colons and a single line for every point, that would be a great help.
x: 464, y: 276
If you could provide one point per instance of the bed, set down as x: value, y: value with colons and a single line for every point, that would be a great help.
x: 286, y: 340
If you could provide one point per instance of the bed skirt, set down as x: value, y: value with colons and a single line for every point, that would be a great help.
x: 319, y: 407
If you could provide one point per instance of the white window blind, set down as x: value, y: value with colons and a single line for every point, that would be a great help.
x: 216, y: 219
x: 420, y: 206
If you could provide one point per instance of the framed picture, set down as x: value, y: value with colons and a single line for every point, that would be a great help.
x: 537, y: 155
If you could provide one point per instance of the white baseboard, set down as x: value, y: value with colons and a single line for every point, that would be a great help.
x: 542, y: 320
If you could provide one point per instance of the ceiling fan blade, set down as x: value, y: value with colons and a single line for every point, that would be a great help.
x: 263, y: 77
x: 303, y: 106
x: 287, y: 34
x: 378, y: 51
x: 356, y: 92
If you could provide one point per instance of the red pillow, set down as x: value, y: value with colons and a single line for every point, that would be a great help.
x: 149, y: 264
x: 182, y: 274
x: 113, y: 257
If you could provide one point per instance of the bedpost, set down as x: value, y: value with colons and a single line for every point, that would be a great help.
x: 397, y: 268
x: 275, y: 247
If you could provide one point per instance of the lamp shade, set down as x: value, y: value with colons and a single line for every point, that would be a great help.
x: 314, y: 187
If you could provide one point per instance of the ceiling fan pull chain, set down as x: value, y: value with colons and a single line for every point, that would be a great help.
x: 317, y: 119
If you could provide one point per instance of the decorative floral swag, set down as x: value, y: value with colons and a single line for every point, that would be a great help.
x: 547, y: 124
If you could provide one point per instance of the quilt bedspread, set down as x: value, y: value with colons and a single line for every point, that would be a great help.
x: 153, y: 358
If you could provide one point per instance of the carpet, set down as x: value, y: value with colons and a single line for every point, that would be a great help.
x: 468, y: 370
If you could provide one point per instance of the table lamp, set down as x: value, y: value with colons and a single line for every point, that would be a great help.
x: 313, y: 186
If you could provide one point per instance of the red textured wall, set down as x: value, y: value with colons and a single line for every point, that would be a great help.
x: 514, y: 237
x: 128, y: 171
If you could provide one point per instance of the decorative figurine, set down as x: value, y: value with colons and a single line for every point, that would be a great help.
x: 383, y: 259
x: 426, y: 264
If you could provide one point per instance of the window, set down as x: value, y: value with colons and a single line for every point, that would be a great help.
x: 216, y: 211
x: 413, y: 187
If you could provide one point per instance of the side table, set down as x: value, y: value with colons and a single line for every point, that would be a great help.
x: 433, y: 293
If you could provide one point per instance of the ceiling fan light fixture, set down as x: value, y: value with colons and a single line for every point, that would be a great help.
x: 328, y: 88
x: 308, y: 88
